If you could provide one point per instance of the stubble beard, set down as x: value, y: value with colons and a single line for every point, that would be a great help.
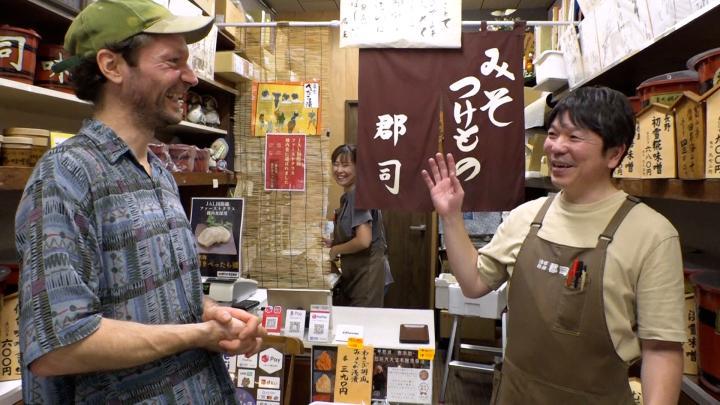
x: 151, y: 114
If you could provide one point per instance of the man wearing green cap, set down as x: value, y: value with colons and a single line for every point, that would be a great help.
x: 111, y: 305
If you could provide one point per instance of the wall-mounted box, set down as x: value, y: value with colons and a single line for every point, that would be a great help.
x: 230, y: 12
x: 233, y: 67
x: 550, y: 72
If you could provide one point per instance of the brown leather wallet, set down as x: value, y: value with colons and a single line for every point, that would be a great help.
x: 414, y: 333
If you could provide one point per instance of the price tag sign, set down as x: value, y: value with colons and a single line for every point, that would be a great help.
x: 355, y: 343
x: 426, y: 353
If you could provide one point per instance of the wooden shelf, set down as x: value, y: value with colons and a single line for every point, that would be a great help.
x: 667, y: 53
x: 47, y: 19
x: 15, y: 178
x: 204, y: 179
x: 540, y: 182
x: 225, y: 41
x: 551, y: 84
x: 189, y: 127
x: 671, y: 189
x: 26, y: 97
x: 213, y: 84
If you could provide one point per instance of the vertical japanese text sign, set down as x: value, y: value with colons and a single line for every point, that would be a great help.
x: 478, y: 90
x: 285, y: 162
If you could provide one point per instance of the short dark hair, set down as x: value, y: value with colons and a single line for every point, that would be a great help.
x: 605, y: 111
x: 87, y: 79
x: 345, y: 150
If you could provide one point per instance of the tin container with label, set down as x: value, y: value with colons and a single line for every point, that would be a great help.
x: 707, y: 64
x: 40, y: 140
x: 47, y: 56
x: 16, y: 151
x: 707, y: 295
x: 18, y: 48
x: 666, y: 88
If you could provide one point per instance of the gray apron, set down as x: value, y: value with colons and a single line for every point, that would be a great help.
x: 362, y: 282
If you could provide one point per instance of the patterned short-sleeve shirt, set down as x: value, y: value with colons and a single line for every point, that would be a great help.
x: 98, y: 238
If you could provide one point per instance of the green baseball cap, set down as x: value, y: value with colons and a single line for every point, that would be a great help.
x: 106, y: 22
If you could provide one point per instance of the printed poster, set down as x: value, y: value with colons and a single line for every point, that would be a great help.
x: 400, y: 23
x: 217, y: 224
x: 286, y: 107
x: 416, y: 387
x: 409, y: 385
x: 285, y: 162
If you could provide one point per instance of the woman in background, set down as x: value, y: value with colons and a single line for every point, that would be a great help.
x: 358, y: 240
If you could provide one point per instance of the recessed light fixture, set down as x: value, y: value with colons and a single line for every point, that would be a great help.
x: 503, y: 13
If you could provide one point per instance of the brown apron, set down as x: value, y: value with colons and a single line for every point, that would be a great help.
x: 559, y: 348
x: 362, y: 282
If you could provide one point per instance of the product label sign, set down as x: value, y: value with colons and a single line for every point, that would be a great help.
x: 271, y: 361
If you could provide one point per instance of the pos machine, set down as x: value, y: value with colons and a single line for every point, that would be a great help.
x: 229, y: 291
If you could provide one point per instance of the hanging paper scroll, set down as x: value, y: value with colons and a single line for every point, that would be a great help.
x: 400, y: 23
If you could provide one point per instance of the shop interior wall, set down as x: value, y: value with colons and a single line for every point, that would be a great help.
x: 696, y: 222
x: 343, y: 86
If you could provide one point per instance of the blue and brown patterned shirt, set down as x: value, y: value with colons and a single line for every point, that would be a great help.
x: 99, y: 237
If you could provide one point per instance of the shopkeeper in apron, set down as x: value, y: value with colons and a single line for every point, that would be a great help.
x: 358, y: 241
x: 595, y: 276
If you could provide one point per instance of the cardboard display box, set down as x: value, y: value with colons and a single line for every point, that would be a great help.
x: 232, y: 13
x: 233, y: 67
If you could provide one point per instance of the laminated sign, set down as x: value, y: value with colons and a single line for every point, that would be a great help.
x: 217, y: 226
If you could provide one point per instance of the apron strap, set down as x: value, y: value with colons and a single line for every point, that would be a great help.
x: 607, y: 235
x: 537, y: 222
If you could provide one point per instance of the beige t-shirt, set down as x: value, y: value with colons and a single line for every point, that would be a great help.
x: 643, y: 279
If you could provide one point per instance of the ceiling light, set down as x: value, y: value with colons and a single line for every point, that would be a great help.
x: 503, y: 13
